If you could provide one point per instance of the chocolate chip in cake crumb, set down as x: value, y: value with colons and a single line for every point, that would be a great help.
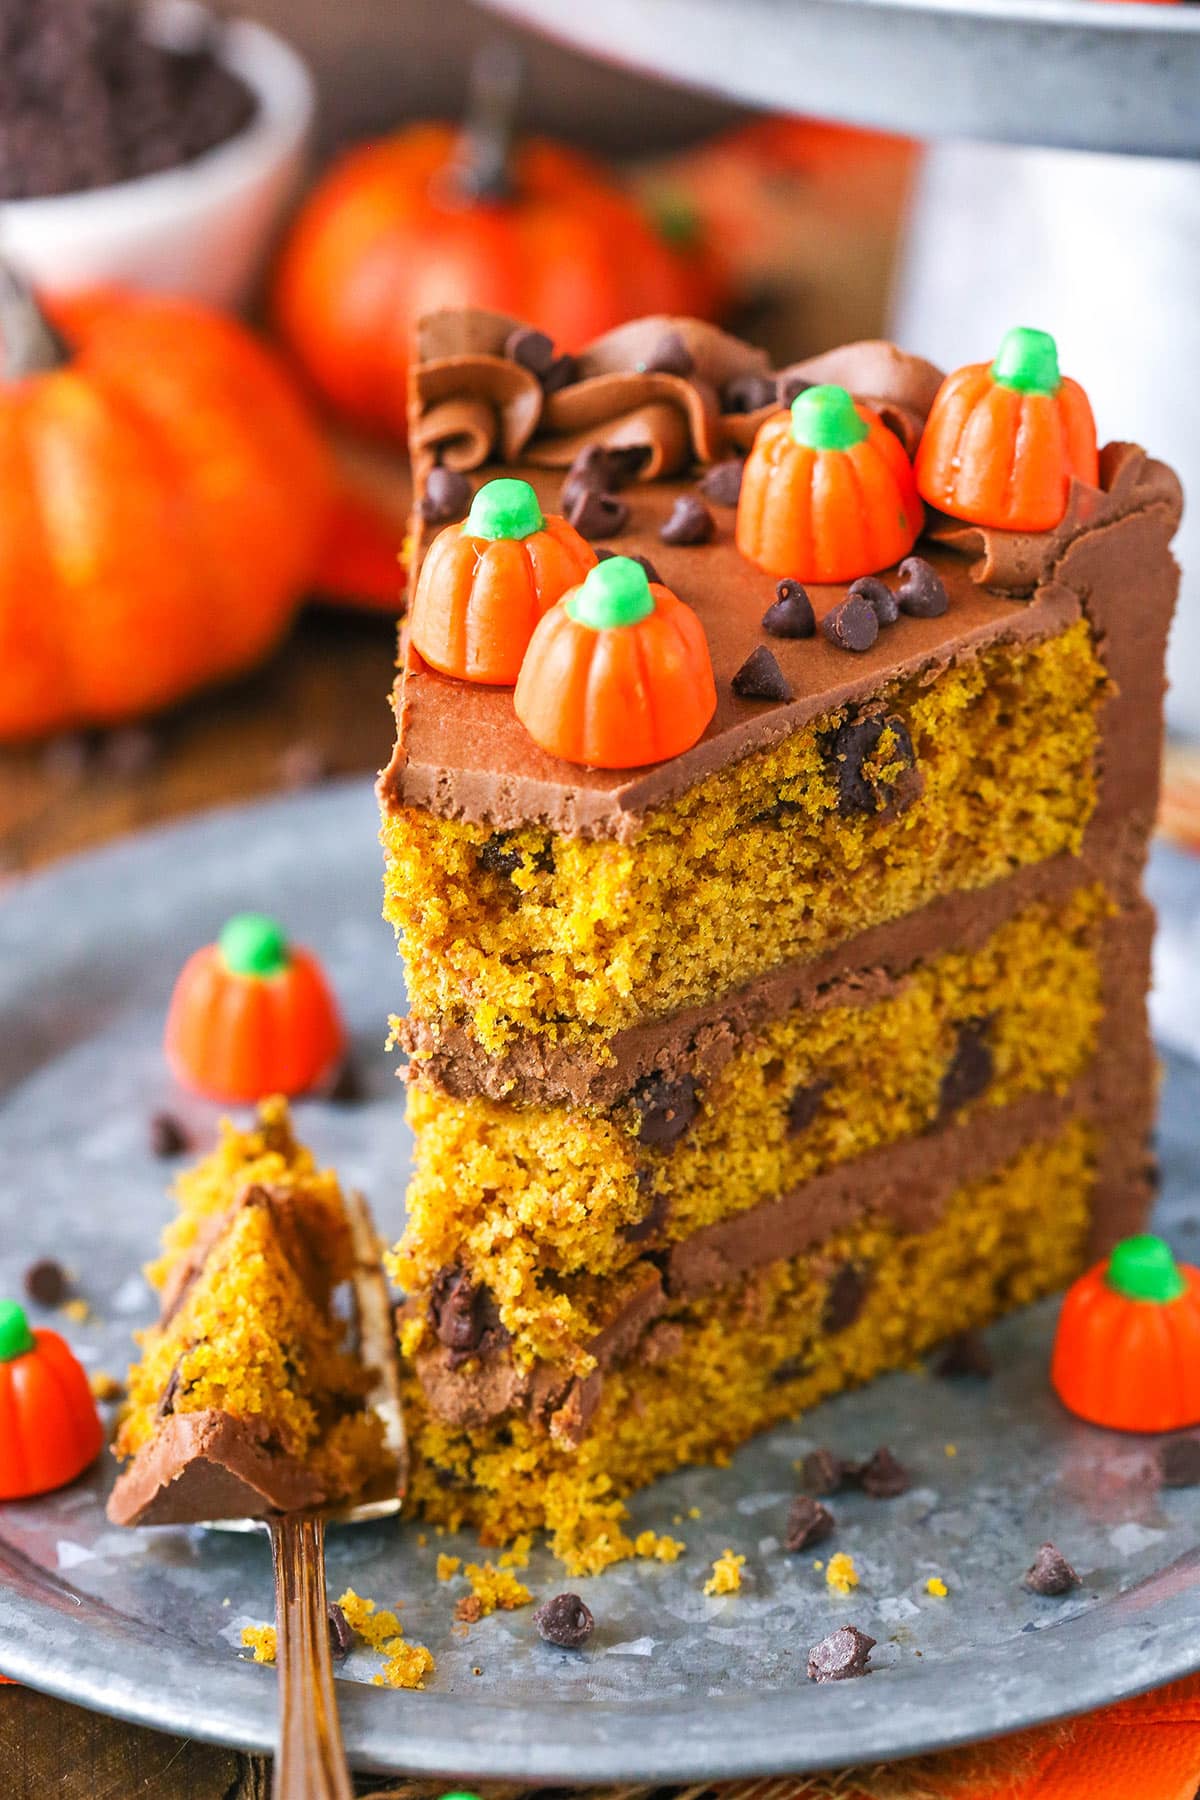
x: 804, y: 1105
x: 969, y: 1070
x: 790, y: 614
x: 1179, y: 1462
x: 851, y: 626
x: 597, y: 515
x: 965, y: 1354
x: 808, y: 1523
x: 722, y: 484
x: 670, y: 356
x: 850, y: 750
x: 168, y: 1137
x: 447, y: 495
x: 823, y: 1471
x: 792, y: 1368
x: 565, y: 1622
x: 643, y: 562
x: 845, y: 1297
x: 690, y: 522
x: 665, y: 1108
x: 1051, y: 1573
x: 879, y: 595
x: 166, y: 1402
x: 922, y: 592
x: 341, y: 1638
x: 498, y: 855
x: 842, y: 1655
x: 761, y: 678
x: 533, y: 350
x: 748, y: 393
x: 883, y: 1476
x: 464, y: 1314
x: 47, y: 1282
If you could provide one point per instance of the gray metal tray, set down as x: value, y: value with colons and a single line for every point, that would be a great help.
x: 1077, y: 74
x: 675, y: 1686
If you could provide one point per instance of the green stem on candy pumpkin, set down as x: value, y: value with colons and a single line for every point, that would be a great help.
x: 29, y: 344
x: 1028, y: 361
x: 1143, y: 1268
x: 16, y: 1339
x: 614, y: 593
x: 504, y: 508
x: 252, y: 944
x: 826, y: 418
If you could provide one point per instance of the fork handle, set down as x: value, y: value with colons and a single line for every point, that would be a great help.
x: 310, y: 1762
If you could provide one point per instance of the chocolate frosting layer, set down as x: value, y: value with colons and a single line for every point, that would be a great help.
x: 208, y: 1465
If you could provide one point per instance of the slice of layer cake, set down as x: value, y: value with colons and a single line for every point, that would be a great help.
x: 251, y: 1395
x: 749, y: 1072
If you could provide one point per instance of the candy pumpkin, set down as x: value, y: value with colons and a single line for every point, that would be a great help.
x: 1127, y: 1350
x: 252, y: 1015
x: 618, y: 673
x: 827, y: 492
x: 49, y: 1427
x: 1004, y: 440
x: 162, y: 495
x: 434, y: 216
x: 485, y: 584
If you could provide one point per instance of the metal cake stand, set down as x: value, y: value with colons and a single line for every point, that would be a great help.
x: 675, y: 1686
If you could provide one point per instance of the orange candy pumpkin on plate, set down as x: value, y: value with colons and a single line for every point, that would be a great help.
x: 1127, y: 1349
x: 618, y: 674
x: 253, y: 1015
x: 49, y: 1427
x: 1004, y: 440
x: 485, y: 584
x: 827, y: 492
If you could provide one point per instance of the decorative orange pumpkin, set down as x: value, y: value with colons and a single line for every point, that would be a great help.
x: 49, y: 1427
x: 485, y: 584
x: 1127, y: 1352
x: 434, y: 216
x: 1003, y: 440
x: 618, y: 673
x: 827, y: 493
x: 252, y: 1015
x: 162, y: 495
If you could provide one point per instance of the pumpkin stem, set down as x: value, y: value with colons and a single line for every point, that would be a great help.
x: 29, y: 344
x: 1143, y: 1268
x: 483, y: 168
x: 504, y: 508
x: 16, y: 1339
x: 614, y: 593
x: 826, y: 418
x: 252, y: 944
x: 1027, y: 360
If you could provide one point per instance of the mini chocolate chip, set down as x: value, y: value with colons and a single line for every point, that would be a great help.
x: 808, y: 1523
x: 447, y: 495
x: 1051, y: 1573
x: 341, y: 1638
x: 463, y: 1313
x: 563, y: 372
x: 922, y: 592
x: 747, y: 394
x: 167, y: 1136
x: 964, y: 1354
x: 790, y: 614
x: 644, y: 562
x: 1179, y: 1462
x: 722, y: 484
x: 597, y: 515
x: 166, y: 1404
x: 852, y: 625
x: 883, y: 602
x: 850, y: 748
x: 804, y: 1106
x: 690, y: 522
x: 790, y: 1369
x: 969, y: 1070
x: 46, y: 1282
x: 349, y: 1089
x: 844, y: 1297
x: 823, y: 1472
x: 665, y: 1108
x: 791, y: 385
x: 842, y: 1655
x: 761, y: 678
x: 498, y: 855
x: 670, y: 356
x: 590, y: 472
x: 882, y: 1476
x: 532, y: 349
x: 565, y: 1621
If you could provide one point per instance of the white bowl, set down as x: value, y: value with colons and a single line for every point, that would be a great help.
x: 202, y: 229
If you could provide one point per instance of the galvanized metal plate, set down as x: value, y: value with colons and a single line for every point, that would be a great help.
x: 1070, y: 73
x: 675, y: 1686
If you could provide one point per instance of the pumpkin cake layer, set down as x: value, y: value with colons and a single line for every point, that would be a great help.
x: 246, y: 1399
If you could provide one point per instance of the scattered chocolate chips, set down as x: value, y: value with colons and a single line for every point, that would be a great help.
x: 665, y: 1108
x: 823, y: 1472
x: 850, y: 749
x: 969, y: 1070
x: 845, y: 1297
x: 341, y: 1638
x: 1179, y: 1462
x: 922, y: 592
x: 790, y: 614
x: 690, y: 522
x: 965, y: 1354
x: 1051, y: 1573
x: 880, y: 597
x: 46, y: 1282
x: 167, y: 1136
x: 597, y: 515
x: 788, y: 386
x: 804, y: 1106
x: 643, y: 562
x: 534, y: 350
x: 447, y: 495
x: 808, y: 1523
x: 748, y: 394
x: 761, y: 678
x: 722, y: 484
x: 565, y: 1621
x: 464, y: 1314
x: 670, y: 356
x: 842, y: 1655
x: 852, y: 625
x: 883, y: 1476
